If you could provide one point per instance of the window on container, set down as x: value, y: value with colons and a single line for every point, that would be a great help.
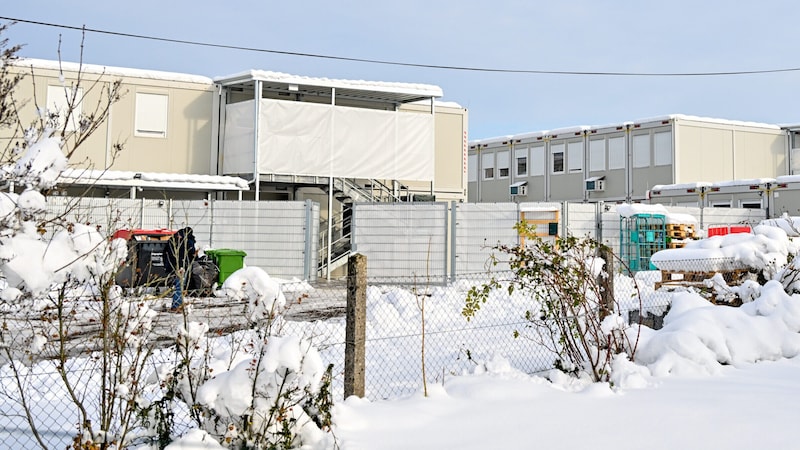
x: 472, y: 168
x: 557, y: 151
x: 58, y: 100
x: 641, y: 150
x: 538, y: 163
x: 575, y: 156
x: 721, y: 204
x: 662, y: 148
x: 597, y: 155
x: 521, y: 158
x: 487, y: 163
x: 151, y: 115
x: 503, y: 170
x: 750, y: 204
x: 796, y: 139
x: 616, y: 153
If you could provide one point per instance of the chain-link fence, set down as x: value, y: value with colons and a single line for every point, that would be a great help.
x: 415, y: 332
x: 57, y: 356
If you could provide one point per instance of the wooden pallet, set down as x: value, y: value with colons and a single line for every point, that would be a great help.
x: 697, y: 279
x: 678, y: 234
x: 679, y: 227
x: 676, y: 244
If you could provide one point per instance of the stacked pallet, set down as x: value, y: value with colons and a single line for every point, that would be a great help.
x: 678, y: 234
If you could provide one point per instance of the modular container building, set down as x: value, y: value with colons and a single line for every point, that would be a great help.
x: 620, y: 162
x: 776, y: 196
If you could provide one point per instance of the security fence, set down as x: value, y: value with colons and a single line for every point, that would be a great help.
x: 415, y: 330
x: 442, y: 240
x: 415, y: 334
x: 280, y: 237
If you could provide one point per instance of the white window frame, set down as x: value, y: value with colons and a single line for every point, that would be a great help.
x: 537, y: 165
x: 503, y: 164
x: 575, y: 157
x: 472, y: 168
x: 597, y: 155
x: 751, y: 201
x: 487, y: 163
x: 721, y: 204
x: 521, y: 154
x: 616, y: 152
x: 554, y: 150
x: 662, y: 148
x: 640, y: 144
x: 58, y: 98
x: 151, y: 115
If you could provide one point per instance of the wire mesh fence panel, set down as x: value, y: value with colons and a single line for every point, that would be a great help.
x: 401, y: 239
x: 408, y: 324
x: 75, y: 347
x: 478, y: 228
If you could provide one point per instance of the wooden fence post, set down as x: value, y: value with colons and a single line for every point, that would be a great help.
x: 355, y: 333
x: 606, y: 282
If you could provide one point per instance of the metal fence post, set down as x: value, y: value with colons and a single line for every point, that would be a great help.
x: 307, y: 257
x: 355, y: 333
x: 453, y: 241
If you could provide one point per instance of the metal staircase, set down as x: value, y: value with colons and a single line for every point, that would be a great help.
x: 347, y: 191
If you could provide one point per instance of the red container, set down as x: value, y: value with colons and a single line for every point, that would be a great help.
x: 722, y: 230
x: 139, y: 234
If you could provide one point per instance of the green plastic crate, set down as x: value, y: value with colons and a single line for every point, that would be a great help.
x: 228, y: 261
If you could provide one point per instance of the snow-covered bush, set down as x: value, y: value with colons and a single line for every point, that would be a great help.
x: 61, y: 307
x: 571, y: 311
x: 263, y: 390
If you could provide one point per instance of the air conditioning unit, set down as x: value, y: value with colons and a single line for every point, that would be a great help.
x: 595, y: 185
x: 516, y: 189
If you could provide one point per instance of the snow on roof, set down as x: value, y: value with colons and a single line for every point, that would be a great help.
x: 741, y: 123
x: 630, y: 209
x: 438, y: 103
x: 153, y: 180
x: 721, y: 184
x: 788, y: 179
x: 425, y: 90
x: 112, y: 71
x: 669, y: 117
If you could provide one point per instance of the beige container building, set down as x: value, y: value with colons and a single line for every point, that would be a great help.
x: 176, y: 132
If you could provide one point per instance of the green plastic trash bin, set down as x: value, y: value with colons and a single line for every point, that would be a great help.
x: 228, y: 261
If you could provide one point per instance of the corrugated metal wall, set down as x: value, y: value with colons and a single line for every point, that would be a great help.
x: 279, y: 237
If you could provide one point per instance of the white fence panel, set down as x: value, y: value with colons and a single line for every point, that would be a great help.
x: 273, y: 234
x: 402, y: 239
x: 107, y: 215
x: 581, y: 219
x: 478, y: 228
x: 730, y: 216
x: 279, y: 237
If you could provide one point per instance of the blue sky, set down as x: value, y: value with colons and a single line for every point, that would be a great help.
x: 570, y: 35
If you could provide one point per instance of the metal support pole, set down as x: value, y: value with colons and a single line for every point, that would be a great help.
x: 330, y: 229
x: 256, y: 139
x: 308, y: 237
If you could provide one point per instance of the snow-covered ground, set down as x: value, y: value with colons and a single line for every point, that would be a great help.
x: 713, y: 377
